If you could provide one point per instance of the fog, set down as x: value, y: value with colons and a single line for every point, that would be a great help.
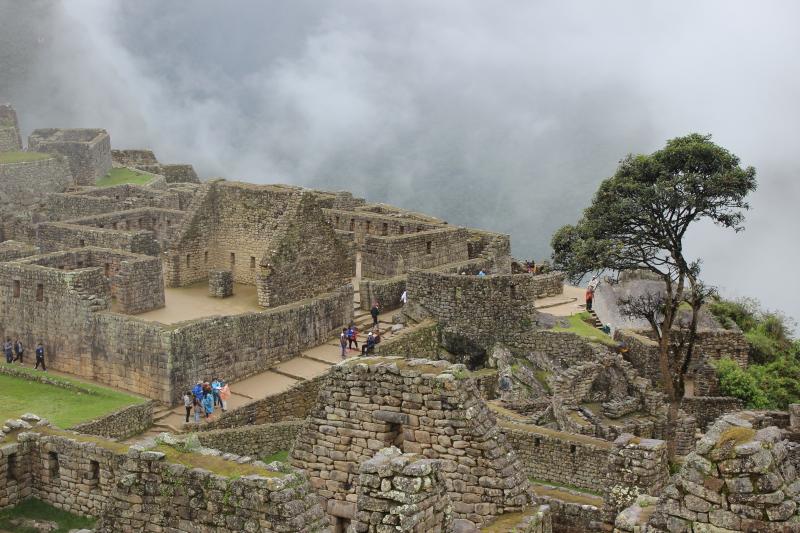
x: 503, y: 115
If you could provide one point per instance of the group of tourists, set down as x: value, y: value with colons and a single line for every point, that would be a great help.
x: 349, y: 338
x: 206, y: 396
x: 15, y: 351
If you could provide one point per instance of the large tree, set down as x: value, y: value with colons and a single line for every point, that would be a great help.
x: 638, y: 219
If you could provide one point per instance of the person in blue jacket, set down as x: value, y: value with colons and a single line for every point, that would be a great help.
x: 197, y: 390
x: 208, y: 405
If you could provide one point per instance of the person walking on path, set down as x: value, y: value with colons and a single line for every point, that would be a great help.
x: 198, y: 407
x: 188, y: 403
x: 589, y: 298
x: 404, y: 297
x: 19, y: 351
x: 343, y: 342
x: 352, y: 337
x: 376, y: 308
x: 8, y: 350
x: 208, y: 405
x: 215, y: 387
x: 224, y: 395
x: 40, y: 357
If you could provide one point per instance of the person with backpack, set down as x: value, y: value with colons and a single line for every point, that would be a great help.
x: 197, y: 390
x: 188, y: 403
x: 376, y: 308
x: 40, y: 357
x: 352, y: 337
x: 368, y: 346
x: 343, y: 342
x: 8, y: 349
x: 19, y: 351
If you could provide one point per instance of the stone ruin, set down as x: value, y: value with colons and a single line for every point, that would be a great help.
x: 88, y: 151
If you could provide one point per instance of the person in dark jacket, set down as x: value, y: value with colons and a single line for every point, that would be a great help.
x: 40, y: 357
x: 19, y: 351
x: 8, y: 350
x: 374, y: 312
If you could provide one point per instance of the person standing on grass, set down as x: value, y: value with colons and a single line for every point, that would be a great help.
x: 224, y: 395
x: 343, y: 342
x: 376, y: 308
x: 19, y: 351
x: 40, y: 357
x: 8, y: 350
x: 188, y: 403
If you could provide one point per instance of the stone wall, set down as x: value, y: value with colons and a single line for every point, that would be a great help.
x: 363, y: 223
x: 486, y: 310
x: 10, y: 250
x: 293, y: 404
x: 574, y: 516
x: 95, y: 201
x: 135, y: 490
x: 88, y: 151
x: 385, y: 257
x: 238, y: 346
x: 163, y: 223
x: 141, y: 159
x: 179, y: 173
x: 386, y: 292
x: 53, y: 236
x: 10, y: 141
x: 560, y: 457
x: 402, y: 492
x: 23, y: 184
x: 419, y: 406
x: 417, y: 341
x: 636, y: 466
x: 258, y: 441
x: 550, y: 284
x: 706, y: 409
x: 121, y: 424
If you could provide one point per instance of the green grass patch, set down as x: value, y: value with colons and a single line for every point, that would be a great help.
x: 578, y: 326
x: 122, y: 175
x: 281, y: 456
x: 22, y: 157
x: 33, y: 509
x: 543, y: 377
x: 63, y: 407
x: 215, y: 464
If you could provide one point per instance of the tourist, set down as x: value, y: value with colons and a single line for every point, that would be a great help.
x: 207, y: 390
x: 208, y: 405
x: 8, y: 349
x: 198, y: 408
x: 197, y: 390
x: 376, y: 308
x: 343, y: 342
x: 589, y: 298
x: 607, y: 329
x: 404, y: 298
x: 215, y: 387
x: 188, y: 403
x: 224, y: 395
x: 352, y: 337
x: 19, y: 351
x: 481, y: 274
x: 40, y: 357
x: 594, y: 283
x: 505, y: 383
x: 369, y: 346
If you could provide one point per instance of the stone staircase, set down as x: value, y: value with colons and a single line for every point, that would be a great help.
x: 594, y: 320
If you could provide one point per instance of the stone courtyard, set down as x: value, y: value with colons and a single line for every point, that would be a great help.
x: 480, y: 409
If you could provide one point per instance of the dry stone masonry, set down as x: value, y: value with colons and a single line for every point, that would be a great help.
x: 88, y: 151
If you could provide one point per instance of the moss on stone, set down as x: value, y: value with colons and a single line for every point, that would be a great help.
x: 736, y: 435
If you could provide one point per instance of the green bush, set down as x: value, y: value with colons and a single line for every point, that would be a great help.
x: 733, y: 381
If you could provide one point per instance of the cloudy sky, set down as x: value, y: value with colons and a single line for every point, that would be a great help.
x: 504, y: 115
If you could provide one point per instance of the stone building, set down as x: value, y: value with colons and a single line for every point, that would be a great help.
x: 88, y: 151
x: 10, y: 140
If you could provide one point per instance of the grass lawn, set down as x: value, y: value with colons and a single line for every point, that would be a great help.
x: 579, y: 327
x: 63, y: 407
x: 121, y: 175
x: 19, y: 157
x: 281, y: 456
x: 38, y: 510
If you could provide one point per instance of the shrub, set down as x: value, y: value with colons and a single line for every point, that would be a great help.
x: 733, y: 381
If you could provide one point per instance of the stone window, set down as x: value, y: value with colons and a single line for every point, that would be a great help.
x: 11, y: 472
x: 80, y: 264
x: 114, y: 225
x: 385, y: 230
x: 368, y: 226
x: 537, y: 442
x: 352, y: 224
x: 233, y: 259
x: 116, y: 197
x: 16, y: 288
x: 205, y: 257
x: 39, y: 292
x: 573, y: 449
x: 337, y: 221
x: 82, y: 243
x: 428, y: 247
x: 396, y: 436
x: 107, y: 269
x: 252, y: 261
x: 342, y: 524
x: 419, y: 229
x: 402, y: 230
x: 100, y: 226
x: 52, y: 465
x: 513, y: 292
x: 188, y: 260
x: 94, y: 471
x: 141, y: 222
x: 168, y: 222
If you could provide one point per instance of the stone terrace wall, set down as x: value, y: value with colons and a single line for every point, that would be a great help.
x: 162, y: 222
x: 550, y: 284
x: 253, y: 441
x: 179, y: 173
x: 293, y: 404
x: 121, y: 424
x: 54, y: 236
x: 87, y: 150
x: 364, y: 223
x: 141, y: 159
x: 140, y: 490
x: 642, y: 353
x: 239, y: 346
x: 484, y: 309
x: 706, y: 409
x: 559, y: 457
x: 95, y: 201
x: 385, y: 257
x: 418, y: 341
x: 10, y: 250
x: 421, y: 407
x: 386, y: 292
x: 23, y: 184
x: 10, y: 141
